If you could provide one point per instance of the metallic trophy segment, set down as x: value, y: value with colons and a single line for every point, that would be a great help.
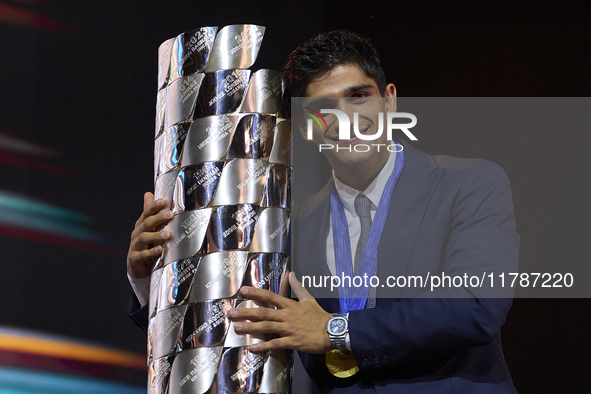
x: 241, y: 182
x: 168, y: 148
x: 268, y: 271
x: 164, y: 188
x: 235, y: 340
x: 188, y: 231
x: 167, y: 326
x: 191, y: 51
x: 194, y: 370
x: 277, y: 372
x: 264, y: 92
x: 219, y: 276
x: 209, y: 139
x: 180, y: 99
x: 159, y: 375
x: 239, y: 371
x: 196, y: 186
x: 236, y: 46
x: 160, y: 111
x: 154, y: 290
x: 271, y: 231
x: 175, y: 283
x: 222, y: 163
x: 231, y: 227
x: 281, y: 152
x: 164, y: 54
x: 253, y: 138
x: 221, y: 92
x: 205, y: 324
x: 277, y: 191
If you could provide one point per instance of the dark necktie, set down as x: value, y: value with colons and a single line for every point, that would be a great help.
x: 363, y: 209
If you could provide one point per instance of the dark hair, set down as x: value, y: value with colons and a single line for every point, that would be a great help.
x: 325, y: 52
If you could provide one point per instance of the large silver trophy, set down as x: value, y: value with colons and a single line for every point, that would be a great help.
x: 222, y: 160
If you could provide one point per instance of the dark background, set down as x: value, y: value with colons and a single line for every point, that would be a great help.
x: 79, y: 78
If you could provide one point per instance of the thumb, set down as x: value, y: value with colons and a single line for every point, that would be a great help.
x: 299, y: 290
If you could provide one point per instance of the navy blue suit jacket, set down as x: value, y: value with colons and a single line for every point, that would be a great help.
x: 446, y: 215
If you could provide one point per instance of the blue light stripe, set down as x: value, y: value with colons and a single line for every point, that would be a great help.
x: 17, y: 381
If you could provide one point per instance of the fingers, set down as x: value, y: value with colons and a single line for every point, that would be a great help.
x: 146, y: 238
x: 152, y: 222
x: 297, y: 288
x: 266, y: 296
x: 254, y: 314
x: 273, y: 344
x: 264, y: 327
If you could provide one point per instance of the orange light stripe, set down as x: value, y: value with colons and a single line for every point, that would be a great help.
x: 72, y: 351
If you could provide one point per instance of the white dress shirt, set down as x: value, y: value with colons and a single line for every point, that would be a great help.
x: 347, y: 196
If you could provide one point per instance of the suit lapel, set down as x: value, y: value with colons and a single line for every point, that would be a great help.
x: 407, y: 208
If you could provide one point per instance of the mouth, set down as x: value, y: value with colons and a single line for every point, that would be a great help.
x: 335, y: 137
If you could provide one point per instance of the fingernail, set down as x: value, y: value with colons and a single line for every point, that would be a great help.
x: 168, y: 214
x: 233, y: 312
x: 160, y: 202
x: 253, y: 348
x: 158, y: 249
x: 244, y: 290
x: 165, y: 234
x: 238, y: 326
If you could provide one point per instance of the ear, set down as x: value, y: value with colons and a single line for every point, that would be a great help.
x: 390, y: 96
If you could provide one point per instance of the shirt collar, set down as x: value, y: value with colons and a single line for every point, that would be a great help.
x: 374, y: 191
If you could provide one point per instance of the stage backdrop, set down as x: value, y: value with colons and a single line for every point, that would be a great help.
x: 78, y: 83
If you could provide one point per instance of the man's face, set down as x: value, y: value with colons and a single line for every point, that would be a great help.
x: 351, y: 82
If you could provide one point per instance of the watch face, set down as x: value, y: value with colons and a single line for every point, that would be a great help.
x: 337, y: 326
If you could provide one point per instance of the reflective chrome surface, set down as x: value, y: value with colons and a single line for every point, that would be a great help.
x: 264, y: 92
x: 241, y: 182
x: 233, y: 339
x: 171, y: 148
x: 164, y: 187
x: 188, y: 231
x: 160, y: 111
x: 277, y: 372
x: 281, y: 152
x: 164, y: 54
x: 253, y: 138
x: 239, y: 371
x: 209, y: 139
x: 194, y: 370
x: 154, y: 290
x: 221, y: 92
x: 206, y: 324
x: 231, y: 227
x: 236, y: 46
x: 180, y: 99
x: 219, y: 276
x: 190, y: 51
x: 277, y: 188
x: 196, y: 186
x: 175, y: 282
x: 268, y: 271
x: 159, y: 375
x: 271, y: 231
x: 167, y: 325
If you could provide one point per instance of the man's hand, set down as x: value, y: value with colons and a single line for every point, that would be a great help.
x: 299, y: 325
x: 147, y: 239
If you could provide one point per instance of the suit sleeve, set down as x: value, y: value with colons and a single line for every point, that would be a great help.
x: 137, y: 313
x: 482, y: 238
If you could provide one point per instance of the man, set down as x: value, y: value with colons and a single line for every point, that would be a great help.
x: 442, y: 215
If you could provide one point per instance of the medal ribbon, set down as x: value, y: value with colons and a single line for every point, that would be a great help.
x: 354, y: 298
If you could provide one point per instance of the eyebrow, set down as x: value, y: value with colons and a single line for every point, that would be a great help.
x: 356, y: 88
